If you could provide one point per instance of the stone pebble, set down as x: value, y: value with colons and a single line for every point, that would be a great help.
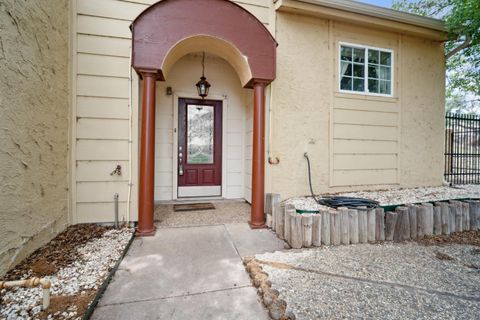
x: 96, y: 259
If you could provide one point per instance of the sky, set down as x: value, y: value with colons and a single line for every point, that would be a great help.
x: 381, y: 3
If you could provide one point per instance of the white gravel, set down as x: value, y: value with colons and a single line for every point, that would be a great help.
x: 96, y: 258
x: 383, y: 281
x: 398, y: 196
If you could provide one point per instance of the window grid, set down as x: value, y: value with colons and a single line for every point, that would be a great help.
x: 386, y: 81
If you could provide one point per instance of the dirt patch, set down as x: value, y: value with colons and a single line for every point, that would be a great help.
x: 67, y: 304
x: 58, y: 253
x: 465, y: 237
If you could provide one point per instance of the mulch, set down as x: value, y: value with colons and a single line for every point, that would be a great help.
x: 465, y: 237
x: 58, y: 253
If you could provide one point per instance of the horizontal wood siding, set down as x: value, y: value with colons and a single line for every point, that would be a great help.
x: 101, y: 59
x: 365, y: 141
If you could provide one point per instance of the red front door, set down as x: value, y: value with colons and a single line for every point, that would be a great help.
x: 199, y: 151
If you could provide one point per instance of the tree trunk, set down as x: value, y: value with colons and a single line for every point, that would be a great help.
x: 412, y: 216
x: 335, y: 232
x: 317, y: 230
x: 296, y: 231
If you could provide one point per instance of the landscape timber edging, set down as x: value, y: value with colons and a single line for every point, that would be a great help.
x: 352, y: 226
x: 101, y: 290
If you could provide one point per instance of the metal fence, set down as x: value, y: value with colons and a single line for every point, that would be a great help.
x: 462, y: 148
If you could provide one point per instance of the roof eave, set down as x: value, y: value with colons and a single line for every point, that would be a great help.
x: 353, y: 11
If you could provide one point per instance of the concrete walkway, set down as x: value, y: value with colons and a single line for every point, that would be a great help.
x: 188, y: 273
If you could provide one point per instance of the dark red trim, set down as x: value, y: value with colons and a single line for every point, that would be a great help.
x: 258, y: 159
x: 146, y: 205
x: 166, y: 23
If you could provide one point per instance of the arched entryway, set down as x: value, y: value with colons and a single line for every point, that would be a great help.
x: 170, y: 29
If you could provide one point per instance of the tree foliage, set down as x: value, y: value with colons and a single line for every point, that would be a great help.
x: 462, y: 50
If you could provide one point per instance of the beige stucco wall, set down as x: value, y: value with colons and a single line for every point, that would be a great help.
x: 34, y: 125
x: 354, y: 141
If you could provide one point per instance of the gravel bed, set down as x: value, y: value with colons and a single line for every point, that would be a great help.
x: 78, y: 281
x: 397, y: 196
x: 226, y: 211
x: 387, y: 281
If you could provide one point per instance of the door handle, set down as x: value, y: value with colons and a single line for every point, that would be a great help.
x: 180, y: 170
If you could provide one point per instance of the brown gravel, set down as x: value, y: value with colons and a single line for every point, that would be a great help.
x: 465, y: 237
x: 58, y: 253
x: 59, y: 304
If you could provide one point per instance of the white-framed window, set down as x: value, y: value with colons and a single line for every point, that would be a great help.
x: 366, y: 70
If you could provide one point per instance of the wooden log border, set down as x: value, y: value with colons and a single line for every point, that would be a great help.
x: 351, y: 226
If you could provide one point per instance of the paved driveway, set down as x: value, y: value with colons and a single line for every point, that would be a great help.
x: 188, y: 273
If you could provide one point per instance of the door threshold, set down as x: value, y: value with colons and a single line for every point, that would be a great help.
x: 197, y: 199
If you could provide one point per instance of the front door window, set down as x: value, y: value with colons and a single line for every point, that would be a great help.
x: 200, y: 137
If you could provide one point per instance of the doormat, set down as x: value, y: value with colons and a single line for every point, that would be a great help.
x: 193, y: 206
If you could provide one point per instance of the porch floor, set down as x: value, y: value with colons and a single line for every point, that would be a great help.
x: 190, y: 272
x: 226, y: 211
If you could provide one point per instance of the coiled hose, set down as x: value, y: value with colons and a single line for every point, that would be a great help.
x: 337, y: 201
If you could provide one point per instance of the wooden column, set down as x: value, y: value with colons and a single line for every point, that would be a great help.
x: 257, y: 219
x: 147, y: 158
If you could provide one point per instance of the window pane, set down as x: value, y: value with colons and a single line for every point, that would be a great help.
x: 199, y: 134
x: 346, y: 69
x: 385, y: 87
x: 372, y: 86
x: 346, y: 83
x: 359, y: 55
x: 358, y: 70
x: 385, y: 73
x: 385, y: 58
x: 373, y: 56
x: 373, y: 71
x: 346, y: 53
x: 358, y: 84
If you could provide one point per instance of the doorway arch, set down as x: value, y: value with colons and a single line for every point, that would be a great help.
x: 168, y: 30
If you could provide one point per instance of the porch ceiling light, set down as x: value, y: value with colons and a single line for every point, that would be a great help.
x: 203, y: 86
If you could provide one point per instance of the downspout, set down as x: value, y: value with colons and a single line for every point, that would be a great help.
x: 130, y: 130
x: 31, y: 283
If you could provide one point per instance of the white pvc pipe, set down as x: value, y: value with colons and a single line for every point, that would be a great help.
x: 31, y: 283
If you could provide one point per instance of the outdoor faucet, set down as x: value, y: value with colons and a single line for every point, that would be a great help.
x: 117, y: 171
